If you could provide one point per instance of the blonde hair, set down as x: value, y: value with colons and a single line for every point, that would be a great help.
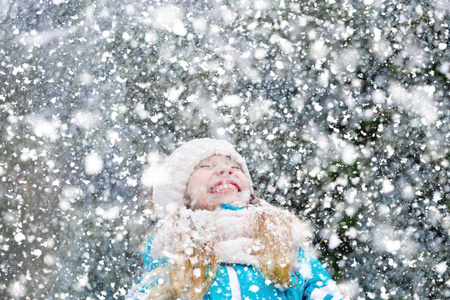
x: 274, y: 249
x: 190, y: 272
x: 185, y: 275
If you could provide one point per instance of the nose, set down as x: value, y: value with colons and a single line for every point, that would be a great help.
x: 224, y: 170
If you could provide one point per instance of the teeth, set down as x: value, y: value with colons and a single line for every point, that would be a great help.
x: 223, y: 188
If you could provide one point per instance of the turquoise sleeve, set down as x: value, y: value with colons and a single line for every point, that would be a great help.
x: 149, y: 263
x: 318, y: 284
x: 139, y: 290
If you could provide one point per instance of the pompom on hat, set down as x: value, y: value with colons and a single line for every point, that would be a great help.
x: 169, y: 193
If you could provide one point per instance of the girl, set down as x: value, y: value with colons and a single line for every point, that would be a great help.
x: 216, y: 240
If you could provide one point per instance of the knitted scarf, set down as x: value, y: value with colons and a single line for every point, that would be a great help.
x: 233, y: 236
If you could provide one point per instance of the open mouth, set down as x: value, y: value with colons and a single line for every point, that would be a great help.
x: 224, y: 187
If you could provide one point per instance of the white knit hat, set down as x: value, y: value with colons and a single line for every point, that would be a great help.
x: 168, y: 194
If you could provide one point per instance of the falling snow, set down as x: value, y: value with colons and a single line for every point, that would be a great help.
x: 339, y: 107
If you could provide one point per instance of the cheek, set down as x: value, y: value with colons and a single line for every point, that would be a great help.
x: 197, y: 184
x: 244, y: 181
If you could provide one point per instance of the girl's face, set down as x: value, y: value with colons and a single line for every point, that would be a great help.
x: 215, y: 180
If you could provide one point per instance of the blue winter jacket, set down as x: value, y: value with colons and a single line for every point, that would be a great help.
x: 309, y: 278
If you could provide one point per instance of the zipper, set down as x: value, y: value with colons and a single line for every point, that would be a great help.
x: 234, y: 284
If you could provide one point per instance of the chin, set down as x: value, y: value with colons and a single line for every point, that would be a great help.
x: 237, y: 200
